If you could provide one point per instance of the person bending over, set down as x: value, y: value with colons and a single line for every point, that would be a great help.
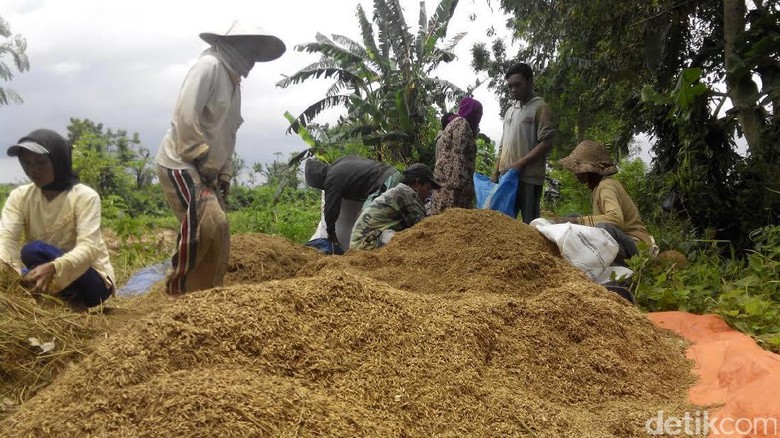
x: 352, y: 178
x: 395, y: 210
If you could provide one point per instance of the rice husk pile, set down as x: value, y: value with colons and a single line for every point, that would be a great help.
x: 340, y: 354
x: 255, y: 258
x: 462, y: 250
x: 38, y: 339
x: 468, y: 324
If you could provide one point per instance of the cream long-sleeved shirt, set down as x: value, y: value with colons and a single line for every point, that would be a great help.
x: 206, y: 118
x: 71, y: 222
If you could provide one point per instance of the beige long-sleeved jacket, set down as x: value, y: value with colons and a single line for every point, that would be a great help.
x: 71, y: 222
x: 206, y: 118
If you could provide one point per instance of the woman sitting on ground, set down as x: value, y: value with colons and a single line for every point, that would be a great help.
x: 63, y: 252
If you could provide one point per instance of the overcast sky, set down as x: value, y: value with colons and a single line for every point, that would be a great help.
x: 122, y: 64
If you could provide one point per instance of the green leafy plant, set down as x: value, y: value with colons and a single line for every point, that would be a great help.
x: 294, y: 216
x: 745, y: 292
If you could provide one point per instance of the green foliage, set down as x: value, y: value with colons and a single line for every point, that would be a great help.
x: 745, y: 292
x: 294, y: 216
x: 138, y: 237
x: 486, y: 155
x: 14, y: 47
x: 115, y: 164
x: 697, y: 159
x: 5, y: 190
x: 599, y: 81
x: 575, y: 197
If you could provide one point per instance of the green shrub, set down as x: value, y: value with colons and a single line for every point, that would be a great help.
x: 294, y: 214
x: 744, y: 291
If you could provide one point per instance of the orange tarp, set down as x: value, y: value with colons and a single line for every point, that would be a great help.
x: 738, y: 382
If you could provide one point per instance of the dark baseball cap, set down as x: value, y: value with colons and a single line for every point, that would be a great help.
x: 423, y: 173
x: 30, y: 145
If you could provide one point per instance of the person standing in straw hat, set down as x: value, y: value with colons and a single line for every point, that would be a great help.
x: 195, y: 158
x: 58, y: 221
x: 526, y: 141
x: 613, y: 208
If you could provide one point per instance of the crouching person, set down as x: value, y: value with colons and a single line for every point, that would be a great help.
x: 350, y: 178
x: 63, y: 252
x: 613, y: 208
x: 395, y: 210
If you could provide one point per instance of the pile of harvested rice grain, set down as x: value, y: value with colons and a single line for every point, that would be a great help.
x: 37, y: 341
x: 255, y: 258
x: 340, y: 354
x: 462, y: 251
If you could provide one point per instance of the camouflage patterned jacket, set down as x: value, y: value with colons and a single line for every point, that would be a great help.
x: 397, y: 209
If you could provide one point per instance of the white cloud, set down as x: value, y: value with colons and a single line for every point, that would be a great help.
x: 65, y: 68
x: 122, y: 63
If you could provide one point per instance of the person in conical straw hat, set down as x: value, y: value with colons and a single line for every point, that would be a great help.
x: 613, y: 208
x: 194, y: 162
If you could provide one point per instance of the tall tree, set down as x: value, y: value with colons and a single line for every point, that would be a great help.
x: 12, y: 46
x: 116, y: 165
x: 595, y: 58
x: 385, y: 83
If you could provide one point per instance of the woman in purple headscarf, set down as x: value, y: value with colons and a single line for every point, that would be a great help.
x: 456, y: 157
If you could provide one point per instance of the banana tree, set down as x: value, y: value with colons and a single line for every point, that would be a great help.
x: 385, y: 83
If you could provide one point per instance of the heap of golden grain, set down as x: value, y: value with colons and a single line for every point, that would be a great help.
x: 468, y: 324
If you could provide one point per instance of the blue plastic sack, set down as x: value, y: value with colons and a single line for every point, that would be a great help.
x: 325, y: 246
x: 497, y: 196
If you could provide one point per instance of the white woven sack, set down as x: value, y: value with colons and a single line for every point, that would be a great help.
x: 590, y: 249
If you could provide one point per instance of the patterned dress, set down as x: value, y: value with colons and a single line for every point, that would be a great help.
x: 456, y: 156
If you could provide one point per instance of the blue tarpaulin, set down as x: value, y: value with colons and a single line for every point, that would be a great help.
x: 142, y: 281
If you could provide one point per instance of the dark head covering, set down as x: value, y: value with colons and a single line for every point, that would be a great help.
x: 59, y: 151
x: 422, y: 173
x: 471, y: 110
x: 446, y: 119
x: 314, y: 173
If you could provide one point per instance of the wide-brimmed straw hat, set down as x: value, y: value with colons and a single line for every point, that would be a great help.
x: 265, y: 47
x: 589, y: 156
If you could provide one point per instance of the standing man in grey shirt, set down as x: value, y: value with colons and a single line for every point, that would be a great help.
x: 526, y: 141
